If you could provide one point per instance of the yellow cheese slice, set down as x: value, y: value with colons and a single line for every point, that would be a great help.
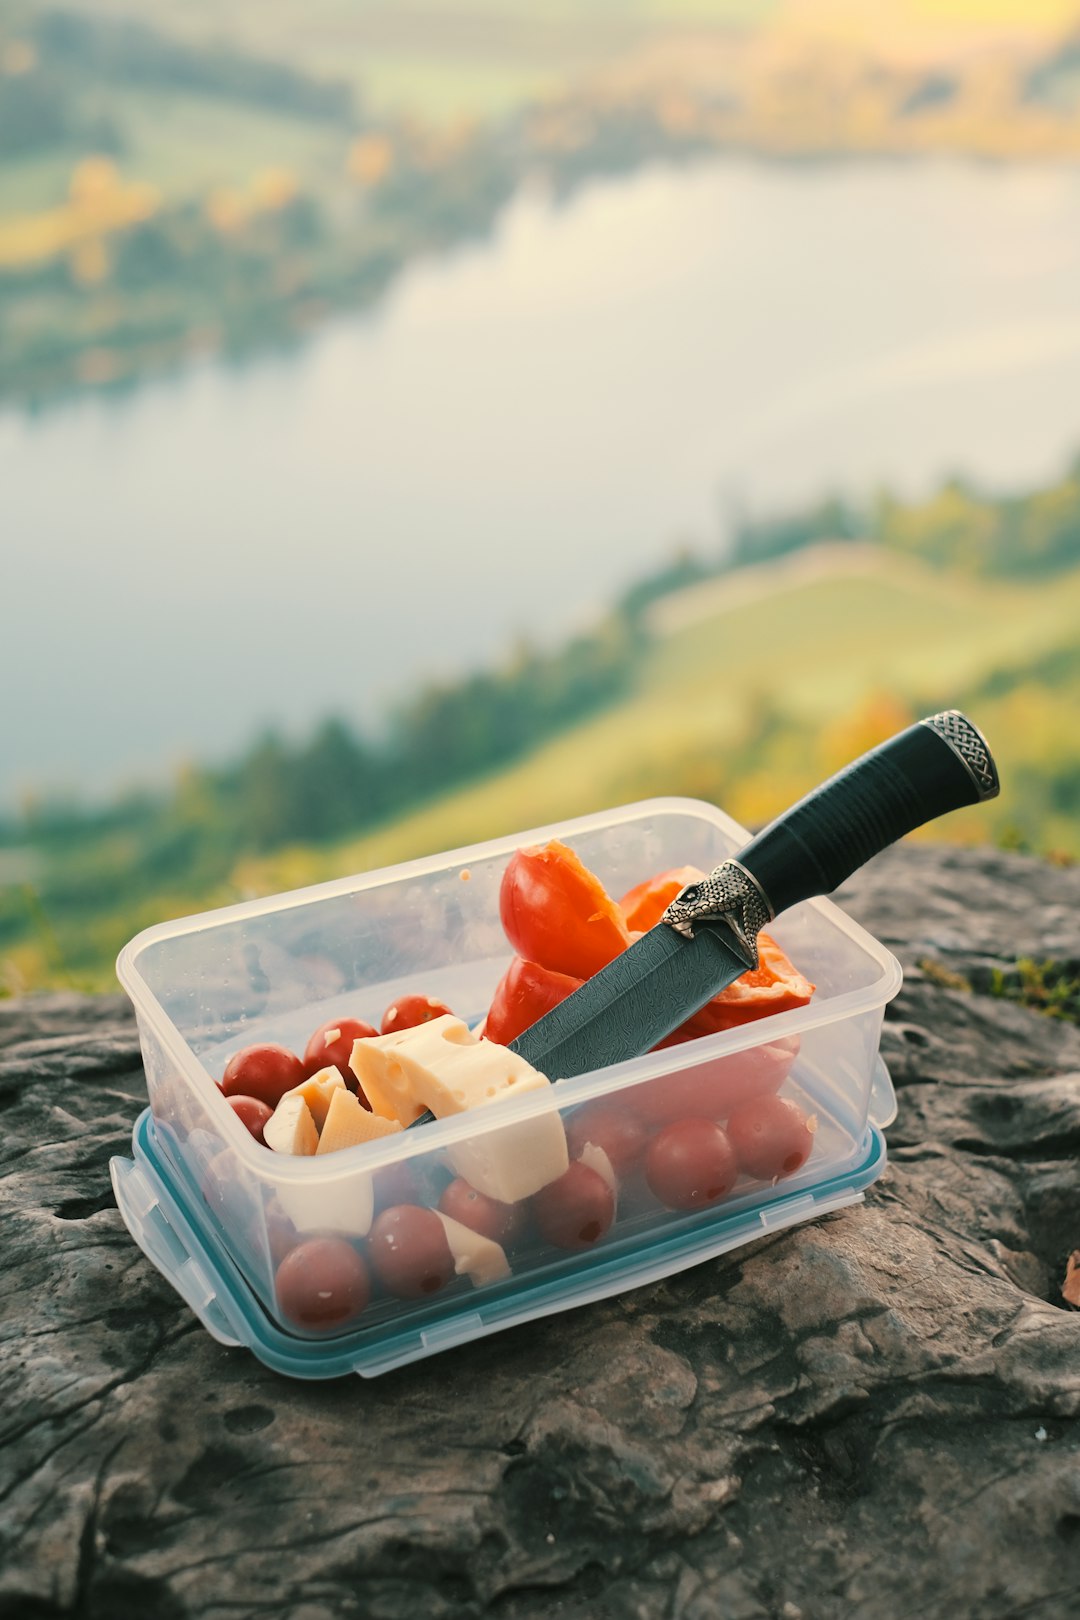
x: 384, y: 1079
x: 440, y: 1065
x: 290, y: 1128
x: 479, y: 1258
x: 348, y: 1122
x: 317, y: 1091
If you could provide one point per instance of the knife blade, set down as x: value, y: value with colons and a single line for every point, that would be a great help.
x: 642, y: 995
x: 707, y: 937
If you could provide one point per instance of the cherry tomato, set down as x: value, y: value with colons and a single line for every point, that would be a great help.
x: 645, y: 904
x: 711, y: 1090
x: 408, y: 1011
x: 265, y: 1071
x: 619, y: 1132
x: 772, y: 1137
x: 319, y: 1054
x: 525, y: 993
x: 252, y: 1113
x: 575, y: 1211
x: 690, y: 1164
x: 409, y: 1252
x: 555, y: 912
x: 488, y: 1216
x: 322, y: 1283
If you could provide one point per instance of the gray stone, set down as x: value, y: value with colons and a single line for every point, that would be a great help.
x: 876, y: 1416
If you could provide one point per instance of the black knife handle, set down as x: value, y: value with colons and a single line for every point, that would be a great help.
x: 939, y: 764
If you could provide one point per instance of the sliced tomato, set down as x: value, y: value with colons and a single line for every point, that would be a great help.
x: 525, y: 993
x: 645, y: 904
x: 558, y: 914
x: 775, y: 985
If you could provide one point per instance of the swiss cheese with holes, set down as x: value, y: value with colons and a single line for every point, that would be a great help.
x: 318, y: 1092
x: 442, y: 1066
x: 439, y: 1065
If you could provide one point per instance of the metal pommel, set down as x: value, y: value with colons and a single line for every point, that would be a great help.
x: 970, y: 746
x: 729, y: 894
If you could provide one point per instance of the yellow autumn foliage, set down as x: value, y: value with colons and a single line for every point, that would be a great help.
x: 370, y: 159
x: 227, y: 210
x: 872, y: 720
x: 273, y: 189
x: 17, y: 57
x: 99, y: 202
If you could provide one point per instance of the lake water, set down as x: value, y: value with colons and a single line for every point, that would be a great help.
x: 520, y: 428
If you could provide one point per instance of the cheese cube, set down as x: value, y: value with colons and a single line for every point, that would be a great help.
x: 290, y: 1128
x: 440, y: 1065
x: 479, y: 1258
x: 513, y: 1161
x: 384, y: 1079
x: 345, y: 1206
x: 317, y: 1091
x: 348, y: 1122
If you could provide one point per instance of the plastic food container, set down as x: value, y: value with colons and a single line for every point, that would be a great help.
x: 217, y: 1212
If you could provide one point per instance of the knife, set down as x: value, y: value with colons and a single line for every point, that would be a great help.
x: 707, y: 937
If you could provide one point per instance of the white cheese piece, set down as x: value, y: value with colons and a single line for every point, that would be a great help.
x: 514, y: 1161
x: 348, y: 1122
x: 290, y: 1128
x: 345, y: 1206
x: 317, y: 1091
x: 479, y: 1258
x: 597, y: 1160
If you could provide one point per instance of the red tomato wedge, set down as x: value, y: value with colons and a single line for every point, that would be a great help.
x: 556, y: 913
x: 525, y: 993
x: 565, y: 927
x: 775, y: 985
x: 645, y: 904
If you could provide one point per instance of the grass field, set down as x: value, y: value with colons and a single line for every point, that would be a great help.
x: 184, y: 145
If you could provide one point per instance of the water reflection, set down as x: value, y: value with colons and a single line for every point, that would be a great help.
x: 520, y: 428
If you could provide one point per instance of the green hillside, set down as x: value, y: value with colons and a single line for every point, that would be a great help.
x: 748, y: 689
x: 750, y: 705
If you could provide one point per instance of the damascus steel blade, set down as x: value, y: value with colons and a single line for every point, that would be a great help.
x: 645, y: 993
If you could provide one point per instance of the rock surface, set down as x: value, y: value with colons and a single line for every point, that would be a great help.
x: 872, y: 1417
